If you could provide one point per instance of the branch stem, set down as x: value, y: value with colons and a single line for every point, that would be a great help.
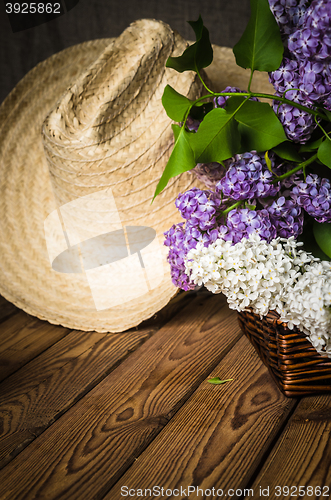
x: 227, y: 210
x: 302, y: 165
x: 203, y: 83
x: 265, y: 96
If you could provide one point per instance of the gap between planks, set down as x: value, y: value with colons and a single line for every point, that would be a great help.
x: 22, y: 338
x: 86, y: 451
x: 302, y: 455
x: 217, y: 439
x: 37, y: 394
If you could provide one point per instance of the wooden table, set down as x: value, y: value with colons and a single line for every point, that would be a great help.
x: 106, y: 416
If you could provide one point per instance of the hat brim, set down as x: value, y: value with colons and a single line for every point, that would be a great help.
x: 26, y: 199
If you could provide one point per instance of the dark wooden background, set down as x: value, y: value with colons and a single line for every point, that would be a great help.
x: 91, y: 19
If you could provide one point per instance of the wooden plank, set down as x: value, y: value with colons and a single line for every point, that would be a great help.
x: 15, y: 329
x: 302, y: 456
x: 6, y: 309
x: 23, y: 338
x: 176, y: 304
x: 218, y: 437
x: 36, y: 395
x: 45, y: 388
x: 85, y: 452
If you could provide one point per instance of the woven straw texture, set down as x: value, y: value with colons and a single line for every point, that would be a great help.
x: 86, y: 119
x: 293, y: 362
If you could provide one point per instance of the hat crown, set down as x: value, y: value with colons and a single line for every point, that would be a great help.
x: 132, y: 64
x: 111, y: 119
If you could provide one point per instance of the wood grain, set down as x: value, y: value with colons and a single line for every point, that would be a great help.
x: 42, y: 390
x: 15, y: 329
x: 45, y: 388
x: 84, y: 452
x: 22, y: 338
x: 302, y: 456
x: 218, y: 437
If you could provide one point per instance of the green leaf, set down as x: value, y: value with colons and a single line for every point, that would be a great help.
x: 311, y: 146
x: 260, y: 46
x: 181, y: 158
x: 322, y: 233
x: 259, y: 127
x: 197, y: 56
x: 185, y: 62
x: 324, y: 152
x: 287, y: 151
x: 268, y: 161
x: 217, y: 137
x: 218, y: 381
x: 328, y: 114
x: 176, y: 130
x: 175, y: 104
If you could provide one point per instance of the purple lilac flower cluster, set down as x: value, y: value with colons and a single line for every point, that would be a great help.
x: 248, y: 177
x: 241, y: 222
x: 289, y: 14
x: 199, y: 207
x: 298, y: 124
x: 312, y: 39
x: 314, y: 195
x: 305, y: 72
x: 177, y: 242
x: 286, y: 217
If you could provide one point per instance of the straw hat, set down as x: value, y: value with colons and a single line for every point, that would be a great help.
x: 84, y: 140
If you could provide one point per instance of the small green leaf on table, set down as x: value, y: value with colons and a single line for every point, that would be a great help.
x: 181, y: 159
x: 218, y: 381
x: 175, y: 104
x: 322, y: 233
x: 197, y: 56
x: 324, y: 152
x: 260, y: 46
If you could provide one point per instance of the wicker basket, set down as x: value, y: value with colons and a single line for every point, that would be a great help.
x: 293, y: 362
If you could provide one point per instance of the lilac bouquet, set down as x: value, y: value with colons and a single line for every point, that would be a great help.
x: 266, y: 168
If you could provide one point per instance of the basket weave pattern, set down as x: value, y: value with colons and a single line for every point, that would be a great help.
x: 293, y: 362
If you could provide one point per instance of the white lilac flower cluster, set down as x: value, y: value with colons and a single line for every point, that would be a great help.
x: 260, y: 276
